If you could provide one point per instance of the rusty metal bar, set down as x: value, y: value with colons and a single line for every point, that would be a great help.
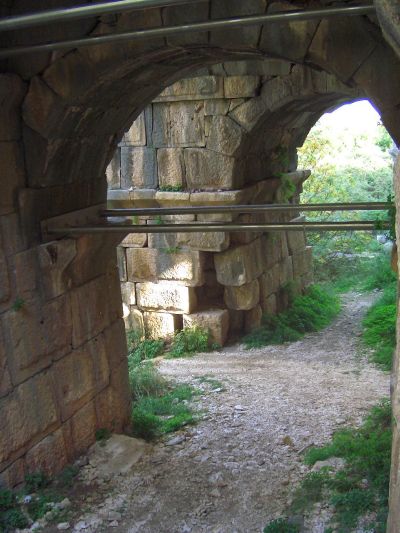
x: 197, y: 210
x: 224, y: 24
x: 40, y: 18
x: 208, y: 228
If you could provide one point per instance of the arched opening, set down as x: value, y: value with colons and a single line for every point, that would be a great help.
x: 65, y: 114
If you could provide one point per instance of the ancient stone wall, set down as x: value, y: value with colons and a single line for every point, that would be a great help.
x: 199, y: 143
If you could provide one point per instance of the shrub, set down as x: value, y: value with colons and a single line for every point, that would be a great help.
x: 36, y: 481
x: 145, y: 380
x: 310, y: 312
x: 190, y: 341
x: 13, y: 519
x: 140, y: 349
x: 281, y: 525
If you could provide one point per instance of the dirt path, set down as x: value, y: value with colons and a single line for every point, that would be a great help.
x: 233, y: 471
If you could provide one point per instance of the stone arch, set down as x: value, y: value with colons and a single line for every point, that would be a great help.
x: 62, y: 117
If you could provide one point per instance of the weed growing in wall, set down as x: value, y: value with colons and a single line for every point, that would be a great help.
x: 190, y: 341
x: 310, y: 312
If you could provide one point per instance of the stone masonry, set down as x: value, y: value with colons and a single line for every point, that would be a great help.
x: 62, y: 116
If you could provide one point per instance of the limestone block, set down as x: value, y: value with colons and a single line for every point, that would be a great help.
x: 138, y: 168
x: 4, y: 278
x: 216, y: 321
x: 134, y: 321
x: 79, y: 375
x: 167, y: 296
x: 171, y: 167
x: 302, y: 262
x: 253, y: 318
x: 200, y: 88
x: 82, y: 429
x: 12, y: 90
x: 258, y: 67
x: 250, y: 113
x: 90, y: 304
x: 269, y: 281
x: 128, y: 293
x: 14, y: 475
x: 241, y: 86
x: 135, y: 240
x: 216, y: 107
x: 290, y: 38
x: 209, y: 242
x: 236, y: 321
x: 242, y: 298
x: 33, y: 334
x: 113, y: 171
x: 12, y: 165
x: 296, y: 241
x: 115, y: 343
x: 121, y: 258
x: 343, y: 34
x: 225, y: 135
x: 178, y: 124
x: 54, y: 257
x: 136, y: 135
x: 172, y: 199
x: 240, y: 265
x: 232, y: 8
x: 113, y: 288
x: 5, y: 379
x: 161, y: 325
x: 286, y: 271
x: 209, y: 170
x: 151, y: 264
x: 270, y: 305
x: 239, y: 196
x: 28, y: 412
x: 49, y: 455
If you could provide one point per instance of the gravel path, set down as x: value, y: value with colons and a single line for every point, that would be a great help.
x: 233, y: 472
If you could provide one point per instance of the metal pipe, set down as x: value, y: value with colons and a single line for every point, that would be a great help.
x: 151, y: 211
x: 208, y: 228
x: 64, y: 14
x: 226, y: 24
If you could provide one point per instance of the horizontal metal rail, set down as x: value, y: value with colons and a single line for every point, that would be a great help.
x: 208, y: 228
x: 72, y: 13
x: 213, y: 210
x: 223, y: 24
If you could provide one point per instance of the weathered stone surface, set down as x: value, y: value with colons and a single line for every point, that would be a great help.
x: 216, y: 321
x: 253, y: 318
x: 216, y: 107
x: 82, y: 429
x: 240, y: 265
x: 14, y: 475
x: 136, y: 135
x: 269, y: 305
x: 302, y: 262
x: 270, y: 280
x: 128, y: 293
x: 54, y: 258
x: 34, y: 335
x: 26, y: 414
x: 79, y: 375
x: 161, y: 325
x: 249, y: 113
x: 89, y: 310
x: 289, y: 38
x: 225, y: 135
x: 172, y: 199
x: 286, y: 271
x: 49, y: 455
x: 12, y: 165
x: 134, y: 320
x: 210, y: 170
x: 135, y: 240
x: 171, y: 167
x: 244, y: 297
x: 208, y: 242
x: 167, y: 296
x: 138, y: 167
x: 5, y: 289
x: 5, y: 380
x: 296, y: 241
x: 178, y: 124
x: 121, y: 263
x: 12, y: 90
x: 236, y: 322
x: 187, y: 89
x: 151, y: 264
x: 241, y: 86
x: 113, y: 171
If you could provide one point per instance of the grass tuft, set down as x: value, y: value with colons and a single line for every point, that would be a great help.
x: 310, y: 312
x: 190, y: 341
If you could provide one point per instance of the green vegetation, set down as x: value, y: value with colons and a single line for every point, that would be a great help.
x: 18, y: 304
x: 171, y: 188
x: 189, y: 341
x: 310, y: 312
x: 281, y: 525
x: 158, y: 406
x: 172, y: 250
x: 380, y: 327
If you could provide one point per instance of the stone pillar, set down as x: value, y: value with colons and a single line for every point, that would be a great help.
x: 63, y: 367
